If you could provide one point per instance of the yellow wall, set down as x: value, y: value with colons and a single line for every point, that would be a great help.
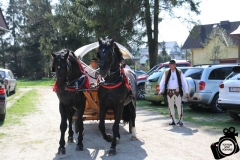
x: 203, y: 55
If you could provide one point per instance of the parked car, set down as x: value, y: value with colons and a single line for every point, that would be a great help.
x: 152, y: 86
x: 203, y: 83
x: 229, y: 94
x: 139, y: 72
x: 9, y: 80
x: 142, y: 79
x: 3, y: 99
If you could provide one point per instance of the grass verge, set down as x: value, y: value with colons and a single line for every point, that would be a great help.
x: 21, y: 108
x: 29, y: 83
x: 203, y: 117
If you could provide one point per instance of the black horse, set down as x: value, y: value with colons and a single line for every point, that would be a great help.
x: 114, y: 93
x: 70, y: 78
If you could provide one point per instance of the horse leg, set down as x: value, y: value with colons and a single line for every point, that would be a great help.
x: 101, y: 126
x: 132, y: 118
x: 63, y: 128
x: 80, y: 128
x: 115, y: 129
x: 70, y: 130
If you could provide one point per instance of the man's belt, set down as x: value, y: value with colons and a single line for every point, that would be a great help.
x: 171, y: 92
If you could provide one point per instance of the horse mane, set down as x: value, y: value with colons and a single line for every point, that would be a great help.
x: 118, y: 53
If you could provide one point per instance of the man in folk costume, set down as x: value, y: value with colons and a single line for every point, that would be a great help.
x: 172, y: 84
x: 91, y: 70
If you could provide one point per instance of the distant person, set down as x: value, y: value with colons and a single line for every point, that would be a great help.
x: 172, y: 84
x: 91, y: 70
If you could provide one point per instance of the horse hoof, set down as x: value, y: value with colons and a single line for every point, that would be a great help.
x: 61, y: 151
x: 117, y: 140
x: 79, y: 148
x: 112, y: 152
x: 70, y: 139
x: 133, y: 138
x: 109, y: 138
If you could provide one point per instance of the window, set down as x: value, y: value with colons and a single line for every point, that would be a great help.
x: 155, y: 76
x: 182, y: 65
x: 220, y: 73
x: 234, y: 76
x: 194, y: 73
x: 2, y: 73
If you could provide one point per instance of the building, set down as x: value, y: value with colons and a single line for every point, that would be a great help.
x: 3, y: 24
x: 172, y: 49
x: 215, y: 50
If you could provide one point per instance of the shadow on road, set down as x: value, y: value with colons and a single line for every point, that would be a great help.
x: 185, y: 131
x: 95, y: 147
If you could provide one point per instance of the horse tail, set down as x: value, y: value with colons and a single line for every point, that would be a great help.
x: 126, y: 115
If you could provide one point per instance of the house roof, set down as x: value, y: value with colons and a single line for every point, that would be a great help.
x: 199, y: 33
x: 3, y: 24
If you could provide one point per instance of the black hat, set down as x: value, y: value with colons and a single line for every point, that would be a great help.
x: 172, y: 62
x: 94, y: 60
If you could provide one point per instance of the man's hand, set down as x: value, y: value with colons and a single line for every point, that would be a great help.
x: 187, y: 95
x: 159, y: 94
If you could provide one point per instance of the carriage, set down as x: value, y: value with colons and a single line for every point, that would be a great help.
x: 92, y: 104
x: 115, y: 91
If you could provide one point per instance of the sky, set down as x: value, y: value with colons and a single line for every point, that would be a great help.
x: 212, y: 11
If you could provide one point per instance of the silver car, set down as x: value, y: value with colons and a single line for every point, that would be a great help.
x: 9, y: 81
x: 203, y: 83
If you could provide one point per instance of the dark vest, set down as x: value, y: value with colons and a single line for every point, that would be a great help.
x: 167, y: 76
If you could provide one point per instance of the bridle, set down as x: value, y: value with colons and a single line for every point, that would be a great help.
x: 113, y: 58
x: 59, y: 67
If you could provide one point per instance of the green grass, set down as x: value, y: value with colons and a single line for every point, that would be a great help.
x: 203, y: 117
x: 30, y: 83
x: 21, y: 108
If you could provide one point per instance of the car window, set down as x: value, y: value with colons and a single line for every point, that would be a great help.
x: 234, y: 76
x: 194, y: 73
x: 9, y: 74
x: 152, y: 70
x: 220, y: 73
x: 154, y: 77
x: 12, y: 74
x: 181, y: 65
x: 2, y: 73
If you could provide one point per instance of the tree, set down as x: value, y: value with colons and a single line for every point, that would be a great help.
x: 14, y: 20
x: 35, y: 27
x: 164, y: 52
x: 217, y: 41
x: 167, y: 6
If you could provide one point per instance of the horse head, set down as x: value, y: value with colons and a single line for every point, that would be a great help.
x: 61, y: 64
x: 109, y: 56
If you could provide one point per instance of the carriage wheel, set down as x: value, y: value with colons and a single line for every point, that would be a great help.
x: 130, y: 126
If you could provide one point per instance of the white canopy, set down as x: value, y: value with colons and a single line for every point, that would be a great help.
x: 80, y: 52
x: 236, y: 32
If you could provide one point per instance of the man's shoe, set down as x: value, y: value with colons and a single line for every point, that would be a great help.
x: 173, y: 123
x: 180, y: 123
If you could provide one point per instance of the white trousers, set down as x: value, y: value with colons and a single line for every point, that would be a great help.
x: 178, y: 101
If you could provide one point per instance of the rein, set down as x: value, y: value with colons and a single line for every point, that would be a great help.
x: 76, y: 84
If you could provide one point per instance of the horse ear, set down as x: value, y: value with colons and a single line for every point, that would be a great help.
x: 100, y: 41
x: 66, y: 55
x: 112, y: 42
x: 53, y: 55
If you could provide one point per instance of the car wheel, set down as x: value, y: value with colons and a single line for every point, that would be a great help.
x: 2, y: 116
x: 8, y: 92
x: 194, y: 106
x: 140, y: 92
x: 14, y: 91
x: 234, y: 116
x: 154, y: 102
x: 214, y: 105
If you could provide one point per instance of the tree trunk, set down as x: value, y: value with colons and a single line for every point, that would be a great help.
x: 156, y: 13
x: 149, y: 33
x: 3, y: 54
x: 152, y: 39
